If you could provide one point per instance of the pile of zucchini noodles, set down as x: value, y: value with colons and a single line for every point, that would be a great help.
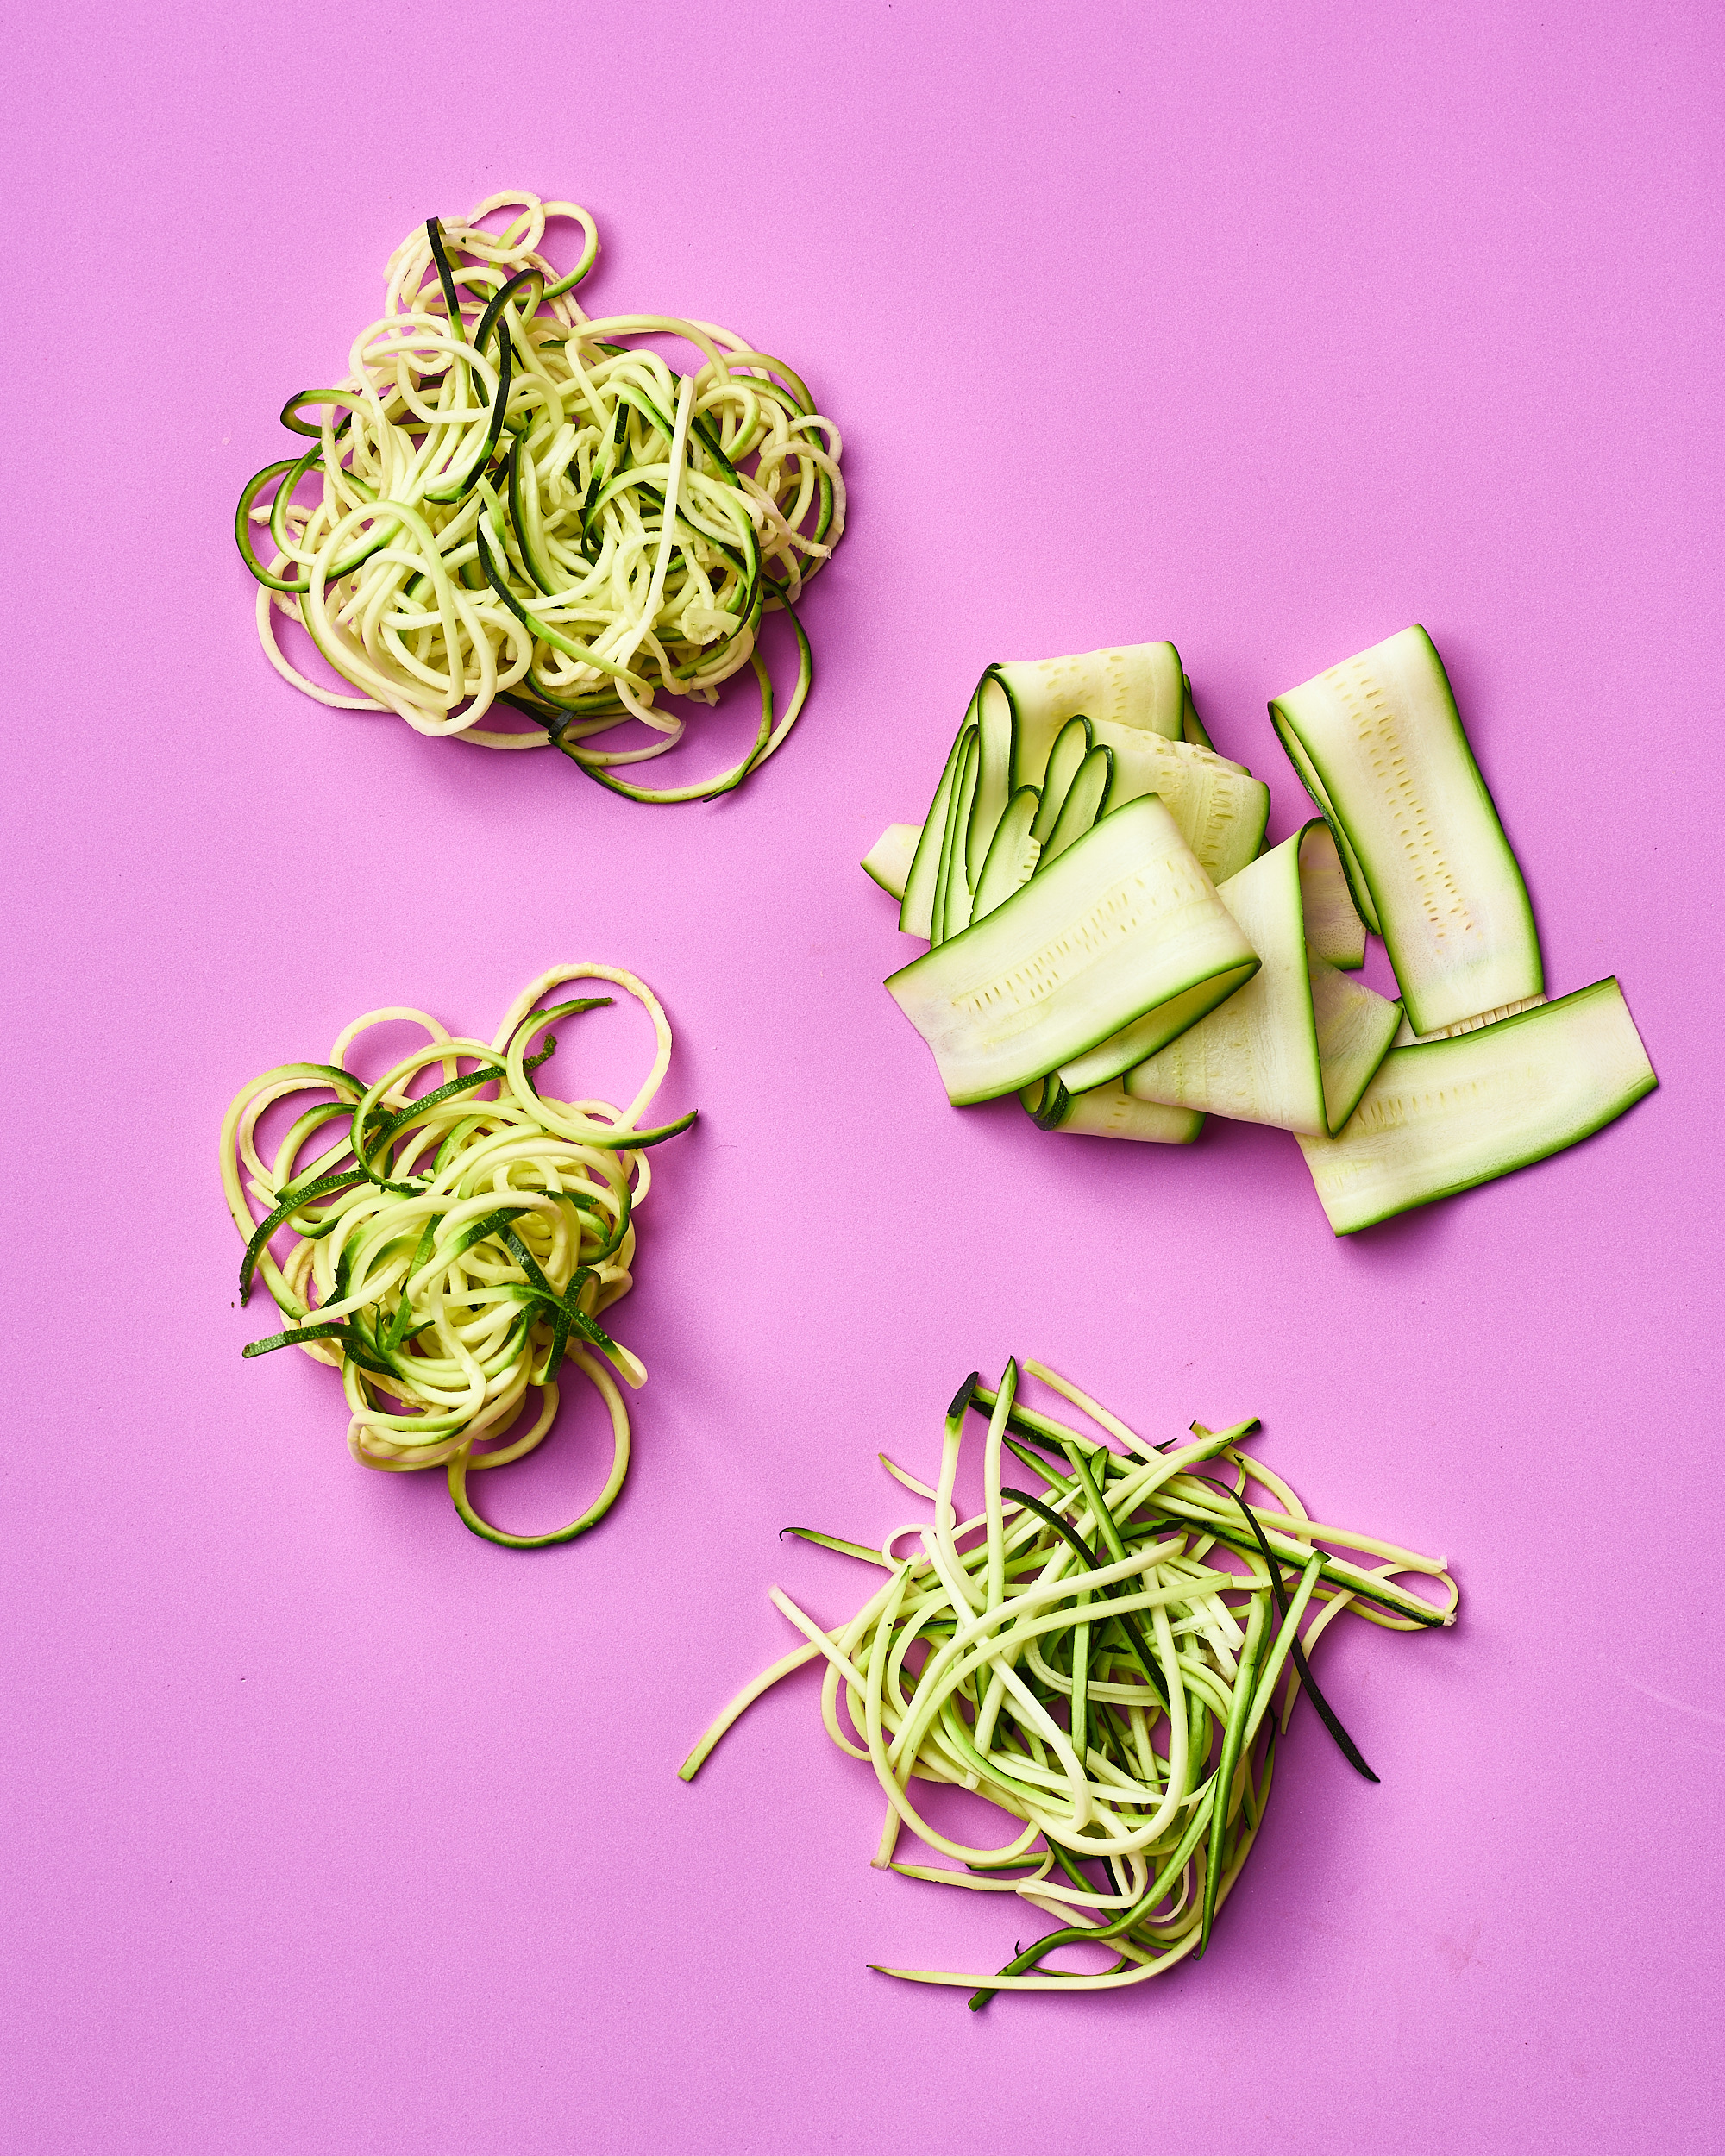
x: 515, y: 503
x: 1102, y: 1661
x: 449, y: 1253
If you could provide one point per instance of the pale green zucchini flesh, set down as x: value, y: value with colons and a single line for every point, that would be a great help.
x: 1356, y: 1029
x: 1143, y: 1037
x: 1261, y: 1057
x: 888, y: 859
x: 1334, y: 931
x: 1071, y: 745
x: 1136, y: 686
x: 1220, y: 807
x: 1012, y: 855
x: 1108, y: 1111
x: 1383, y: 750
x: 1444, y: 1115
x: 1125, y: 923
x: 1085, y: 805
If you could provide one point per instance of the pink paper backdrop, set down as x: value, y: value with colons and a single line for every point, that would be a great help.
x: 1266, y: 328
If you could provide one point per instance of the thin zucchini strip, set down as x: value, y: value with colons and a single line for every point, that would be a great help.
x: 1102, y: 1665
x: 1124, y: 932
x: 452, y: 1253
x: 1446, y: 1114
x: 917, y: 914
x: 1381, y: 749
x: 1085, y: 804
x: 507, y: 502
x: 1219, y: 805
x: 1298, y: 1044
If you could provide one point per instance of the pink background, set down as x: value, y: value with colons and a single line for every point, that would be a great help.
x: 1269, y: 329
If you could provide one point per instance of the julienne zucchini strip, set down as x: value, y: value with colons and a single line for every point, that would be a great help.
x: 451, y: 1254
x: 508, y: 503
x: 1109, y: 1662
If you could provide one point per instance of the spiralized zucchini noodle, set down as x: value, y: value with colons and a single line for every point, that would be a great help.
x: 1102, y: 1661
x: 505, y: 501
x: 449, y: 1254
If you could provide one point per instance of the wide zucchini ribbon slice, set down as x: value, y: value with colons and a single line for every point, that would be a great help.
x: 1380, y: 747
x: 1444, y: 1115
x: 1104, y: 955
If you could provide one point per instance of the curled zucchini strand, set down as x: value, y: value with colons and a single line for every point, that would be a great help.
x: 511, y: 511
x: 450, y: 1252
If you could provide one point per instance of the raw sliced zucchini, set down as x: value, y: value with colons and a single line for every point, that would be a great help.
x: 1261, y: 1057
x: 952, y: 890
x: 1086, y: 804
x: 916, y: 915
x: 1406, y: 1038
x: 1027, y: 733
x: 1071, y: 745
x: 1219, y: 805
x: 1135, y: 685
x: 996, y: 736
x: 1356, y: 1029
x: 1191, y: 726
x: 1013, y: 855
x: 888, y: 859
x: 1334, y: 929
x: 1124, y: 926
x: 1383, y: 751
x: 1108, y: 1111
x: 1446, y: 1114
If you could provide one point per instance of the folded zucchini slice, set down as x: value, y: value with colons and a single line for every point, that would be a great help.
x: 1297, y: 1046
x: 1108, y: 1111
x: 1380, y: 748
x: 1444, y: 1115
x: 916, y: 914
x: 888, y: 859
x: 1122, y: 941
x: 1140, y: 686
x: 1219, y: 805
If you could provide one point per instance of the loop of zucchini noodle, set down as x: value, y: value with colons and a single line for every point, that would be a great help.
x: 986, y: 1652
x: 620, y: 537
x: 476, y: 1337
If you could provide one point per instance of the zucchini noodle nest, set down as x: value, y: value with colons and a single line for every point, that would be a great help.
x: 1102, y: 1661
x: 449, y: 1253
x: 510, y: 502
